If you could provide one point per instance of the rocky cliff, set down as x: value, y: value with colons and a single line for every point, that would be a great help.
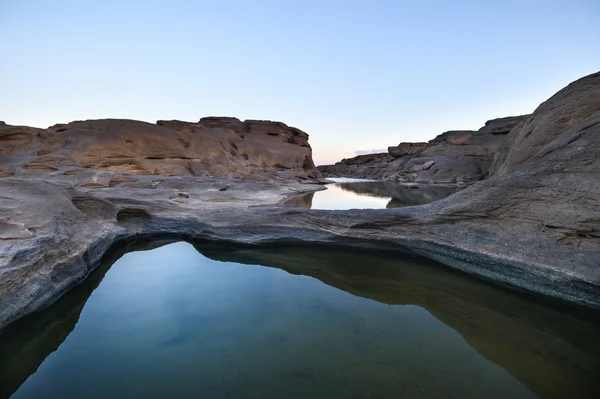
x: 258, y: 150
x: 461, y: 156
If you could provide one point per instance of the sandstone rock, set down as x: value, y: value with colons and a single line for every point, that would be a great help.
x: 459, y: 139
x: 366, y: 159
x: 419, y: 164
x: 365, y: 171
x: 13, y: 230
x: 360, y: 166
x: 15, y: 139
x: 554, y: 121
x: 6, y: 168
x: 258, y: 150
x: 222, y: 122
x: 181, y: 126
x: 404, y: 149
x: 461, y: 156
x: 443, y: 137
x: 501, y: 125
x: 533, y: 225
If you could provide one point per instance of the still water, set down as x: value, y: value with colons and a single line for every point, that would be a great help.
x: 371, y: 194
x: 187, y: 321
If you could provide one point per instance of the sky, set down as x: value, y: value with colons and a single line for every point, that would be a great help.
x: 358, y: 76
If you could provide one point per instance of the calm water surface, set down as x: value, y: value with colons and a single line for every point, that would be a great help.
x: 371, y: 194
x: 190, y: 322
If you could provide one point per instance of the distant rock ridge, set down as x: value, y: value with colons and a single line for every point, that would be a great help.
x: 366, y: 158
x: 456, y: 156
x: 404, y: 149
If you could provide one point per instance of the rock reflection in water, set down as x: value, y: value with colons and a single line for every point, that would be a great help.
x: 553, y: 349
x: 25, y: 344
x: 372, y: 194
x: 554, y: 352
x: 304, y: 201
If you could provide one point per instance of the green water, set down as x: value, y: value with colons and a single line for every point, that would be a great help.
x: 203, y: 322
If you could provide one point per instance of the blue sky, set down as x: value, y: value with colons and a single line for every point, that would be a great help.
x: 355, y: 75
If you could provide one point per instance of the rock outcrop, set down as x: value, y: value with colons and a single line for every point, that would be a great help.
x: 458, y: 156
x: 533, y: 225
x: 365, y: 165
x: 501, y: 125
x: 259, y: 150
x: 379, y: 157
x: 405, y: 149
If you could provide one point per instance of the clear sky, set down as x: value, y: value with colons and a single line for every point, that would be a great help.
x: 355, y: 75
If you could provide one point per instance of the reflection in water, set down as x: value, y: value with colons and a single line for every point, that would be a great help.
x: 173, y: 322
x: 304, y: 201
x: 371, y: 194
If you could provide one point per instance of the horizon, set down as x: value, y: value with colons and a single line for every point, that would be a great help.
x: 356, y: 77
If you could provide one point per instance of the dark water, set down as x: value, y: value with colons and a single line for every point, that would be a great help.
x: 175, y: 322
x: 356, y: 194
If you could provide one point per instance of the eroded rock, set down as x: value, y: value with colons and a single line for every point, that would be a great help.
x: 227, y: 147
x: 404, y: 149
x: 532, y: 225
x: 460, y: 156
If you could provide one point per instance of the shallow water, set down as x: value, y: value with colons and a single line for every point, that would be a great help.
x: 371, y: 194
x: 322, y: 323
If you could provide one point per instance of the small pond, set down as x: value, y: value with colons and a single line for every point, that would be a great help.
x: 172, y: 319
x: 371, y: 194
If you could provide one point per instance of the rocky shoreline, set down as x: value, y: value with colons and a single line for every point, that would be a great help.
x: 533, y: 224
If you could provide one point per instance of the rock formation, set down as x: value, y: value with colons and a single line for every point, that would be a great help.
x: 405, y: 149
x: 533, y: 225
x: 259, y: 150
x: 366, y: 159
x: 368, y: 164
x: 461, y: 156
